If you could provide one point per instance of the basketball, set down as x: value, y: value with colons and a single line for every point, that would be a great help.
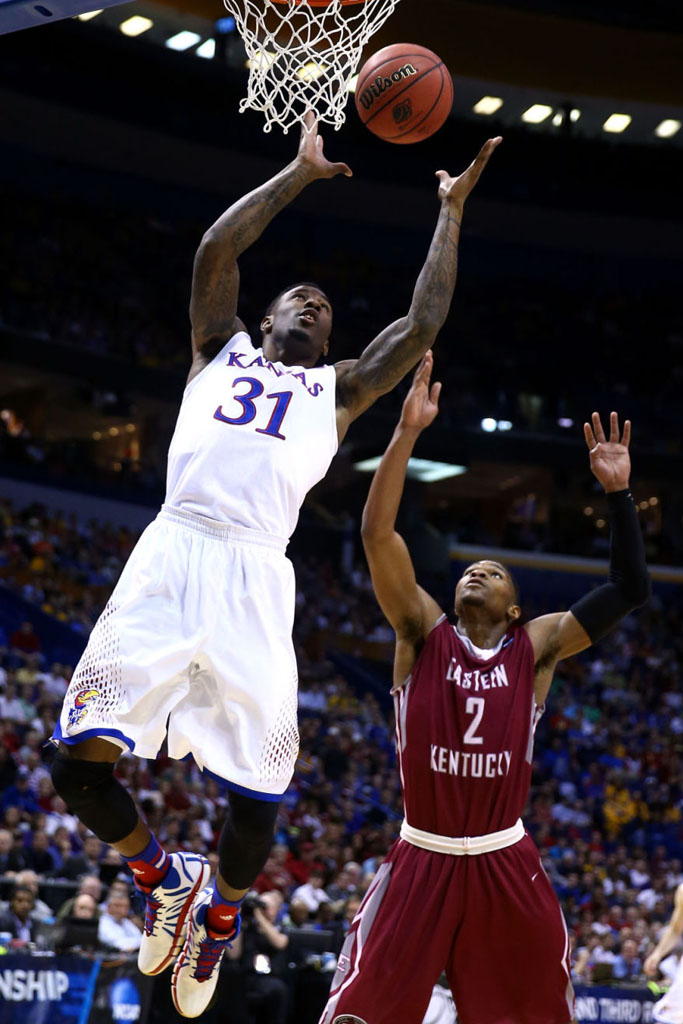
x: 404, y: 93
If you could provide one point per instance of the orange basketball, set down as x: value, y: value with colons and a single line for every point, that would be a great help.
x: 404, y: 93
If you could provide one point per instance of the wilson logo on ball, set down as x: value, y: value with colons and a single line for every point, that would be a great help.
x: 402, y: 111
x: 374, y: 90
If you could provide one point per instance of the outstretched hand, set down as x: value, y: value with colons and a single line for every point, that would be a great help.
x: 422, y: 401
x: 650, y: 965
x: 456, y: 190
x: 311, y: 152
x: 610, y: 460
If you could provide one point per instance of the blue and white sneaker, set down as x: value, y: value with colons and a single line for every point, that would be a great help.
x: 167, y: 909
x: 195, y: 974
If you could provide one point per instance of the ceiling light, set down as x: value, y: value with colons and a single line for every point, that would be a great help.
x: 504, y: 425
x: 182, y: 40
x: 574, y: 114
x: 488, y: 424
x: 616, y: 123
x: 261, y: 59
x: 600, y: 523
x: 654, y: 501
x: 136, y: 25
x: 642, y: 505
x: 207, y: 49
x: 353, y: 82
x: 558, y: 118
x: 425, y: 470
x: 309, y: 72
x: 96, y: 435
x: 588, y: 511
x: 665, y: 129
x: 566, y: 422
x: 487, y: 105
x: 87, y: 15
x: 225, y: 25
x: 536, y: 113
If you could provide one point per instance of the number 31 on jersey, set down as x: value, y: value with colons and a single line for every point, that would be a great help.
x: 249, y: 407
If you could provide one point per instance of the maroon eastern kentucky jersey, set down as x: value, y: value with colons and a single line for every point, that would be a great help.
x: 465, y: 722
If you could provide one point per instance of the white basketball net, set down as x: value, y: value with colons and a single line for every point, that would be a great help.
x: 301, y: 57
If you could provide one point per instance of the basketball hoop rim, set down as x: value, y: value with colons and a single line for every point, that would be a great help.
x: 316, y: 3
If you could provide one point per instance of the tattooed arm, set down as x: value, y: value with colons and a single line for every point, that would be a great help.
x: 400, y: 345
x: 215, y: 279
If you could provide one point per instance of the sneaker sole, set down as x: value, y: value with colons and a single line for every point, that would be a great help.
x: 179, y: 935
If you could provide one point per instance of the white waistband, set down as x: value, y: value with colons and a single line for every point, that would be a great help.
x: 466, y: 846
x: 220, y: 530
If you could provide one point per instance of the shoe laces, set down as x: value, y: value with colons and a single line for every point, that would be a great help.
x: 152, y: 907
x: 208, y: 955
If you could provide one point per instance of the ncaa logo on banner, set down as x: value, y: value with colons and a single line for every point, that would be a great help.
x: 348, y: 1018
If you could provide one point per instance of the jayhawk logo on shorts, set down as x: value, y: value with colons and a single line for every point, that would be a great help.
x: 81, y: 705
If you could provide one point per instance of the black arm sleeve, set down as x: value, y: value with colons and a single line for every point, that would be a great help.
x: 629, y: 580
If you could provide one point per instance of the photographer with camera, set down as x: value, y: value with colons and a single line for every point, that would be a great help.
x: 260, y: 948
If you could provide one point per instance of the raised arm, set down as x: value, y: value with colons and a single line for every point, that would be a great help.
x: 409, y: 609
x: 398, y: 348
x: 215, y: 279
x: 565, y: 633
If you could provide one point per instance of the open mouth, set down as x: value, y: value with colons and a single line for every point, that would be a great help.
x: 309, y: 315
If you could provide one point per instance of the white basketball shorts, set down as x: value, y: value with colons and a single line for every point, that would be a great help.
x: 196, y: 642
x: 669, y: 1009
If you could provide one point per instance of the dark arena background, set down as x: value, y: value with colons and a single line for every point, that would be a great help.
x: 117, y: 151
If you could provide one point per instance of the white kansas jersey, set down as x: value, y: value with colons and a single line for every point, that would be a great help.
x: 252, y: 438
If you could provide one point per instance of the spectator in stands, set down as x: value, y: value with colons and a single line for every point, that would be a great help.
x: 115, y: 929
x: 311, y: 892
x: 90, y: 885
x: 300, y: 867
x: 17, y: 919
x: 87, y: 862
x: 41, y: 912
x: 628, y: 966
x: 25, y: 641
x: 20, y: 795
x: 38, y: 855
x: 349, y: 911
x: 347, y: 881
x: 85, y: 908
x: 11, y: 859
x: 11, y: 706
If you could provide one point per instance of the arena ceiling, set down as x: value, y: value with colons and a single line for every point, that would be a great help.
x: 565, y: 45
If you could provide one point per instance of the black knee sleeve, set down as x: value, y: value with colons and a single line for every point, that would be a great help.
x: 90, y: 791
x: 246, y: 839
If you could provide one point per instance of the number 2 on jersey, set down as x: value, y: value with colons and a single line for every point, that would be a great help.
x: 474, y: 706
x: 249, y: 410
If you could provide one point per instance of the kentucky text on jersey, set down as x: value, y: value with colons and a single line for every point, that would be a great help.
x: 477, y: 680
x: 235, y: 357
x: 469, y: 765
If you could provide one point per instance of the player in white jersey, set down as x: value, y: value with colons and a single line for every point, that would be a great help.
x: 669, y: 1009
x: 195, y: 642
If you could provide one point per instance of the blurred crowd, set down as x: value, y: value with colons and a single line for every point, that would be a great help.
x: 118, y: 284
x: 606, y: 805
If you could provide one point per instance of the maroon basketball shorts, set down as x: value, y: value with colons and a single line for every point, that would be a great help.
x: 491, y: 921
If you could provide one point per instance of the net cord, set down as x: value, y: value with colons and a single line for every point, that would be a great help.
x: 304, y: 58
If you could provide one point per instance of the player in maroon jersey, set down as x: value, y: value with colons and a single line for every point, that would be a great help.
x: 463, y: 889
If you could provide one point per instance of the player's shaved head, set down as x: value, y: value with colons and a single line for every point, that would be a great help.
x: 272, y: 306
